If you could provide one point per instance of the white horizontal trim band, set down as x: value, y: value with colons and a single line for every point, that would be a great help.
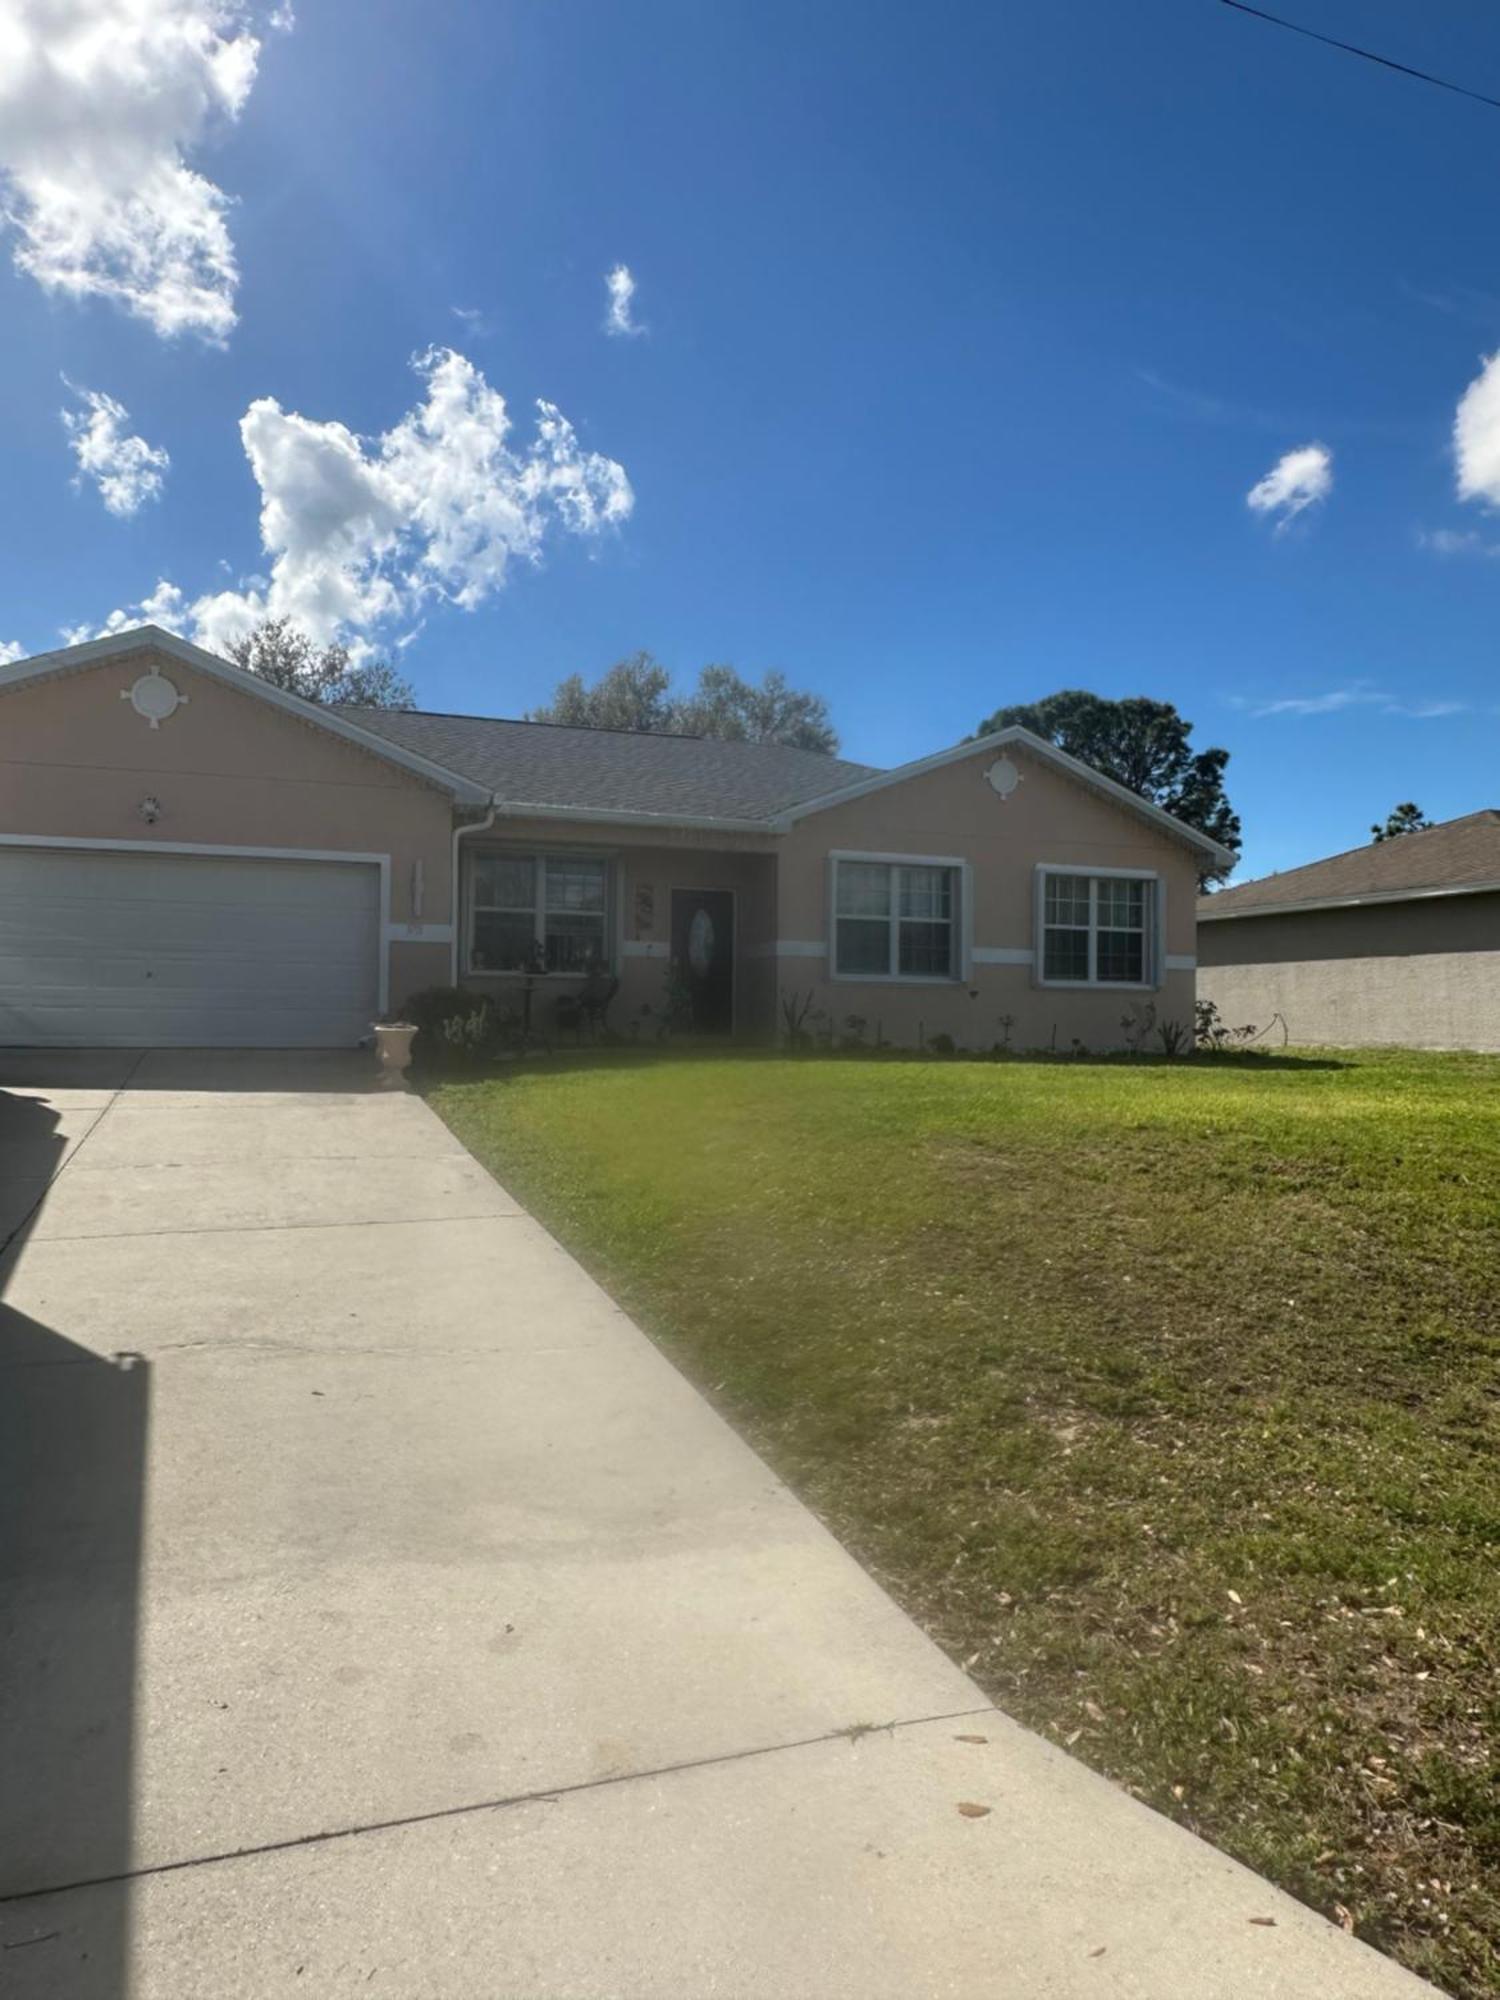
x: 799, y: 948
x: 1002, y: 954
x: 644, y: 948
x: 419, y: 933
x: 1181, y: 961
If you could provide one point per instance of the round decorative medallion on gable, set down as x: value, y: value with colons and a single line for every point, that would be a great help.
x: 154, y: 698
x: 1002, y: 777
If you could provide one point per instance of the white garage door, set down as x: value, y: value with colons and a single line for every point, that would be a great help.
x: 101, y: 949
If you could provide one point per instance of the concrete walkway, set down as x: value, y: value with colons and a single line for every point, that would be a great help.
x: 383, y: 1615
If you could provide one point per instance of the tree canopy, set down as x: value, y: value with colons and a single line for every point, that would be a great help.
x: 1142, y: 744
x: 281, y: 653
x: 636, y: 693
x: 1405, y: 818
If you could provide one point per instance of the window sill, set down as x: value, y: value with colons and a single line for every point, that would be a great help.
x: 492, y: 972
x: 895, y: 979
x: 1099, y: 985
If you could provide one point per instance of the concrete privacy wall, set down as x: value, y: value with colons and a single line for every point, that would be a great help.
x: 227, y: 769
x: 954, y: 812
x: 1423, y: 974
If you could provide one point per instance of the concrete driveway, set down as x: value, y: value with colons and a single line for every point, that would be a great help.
x: 383, y: 1615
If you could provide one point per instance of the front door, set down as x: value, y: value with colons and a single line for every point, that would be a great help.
x: 703, y: 947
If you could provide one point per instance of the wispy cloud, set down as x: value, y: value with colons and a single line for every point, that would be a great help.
x: 619, y: 320
x: 126, y: 470
x: 1334, y: 701
x: 1299, y: 479
x: 1206, y: 408
x: 11, y: 649
x: 1456, y: 542
x: 474, y: 318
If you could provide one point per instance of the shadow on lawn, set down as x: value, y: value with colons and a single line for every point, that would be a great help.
x: 655, y: 1055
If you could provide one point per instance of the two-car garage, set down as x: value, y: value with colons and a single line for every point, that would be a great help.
x: 112, y: 948
x: 193, y: 857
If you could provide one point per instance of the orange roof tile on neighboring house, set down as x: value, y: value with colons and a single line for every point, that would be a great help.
x: 1457, y: 857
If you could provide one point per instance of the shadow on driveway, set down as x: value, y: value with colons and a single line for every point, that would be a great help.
x: 73, y: 1430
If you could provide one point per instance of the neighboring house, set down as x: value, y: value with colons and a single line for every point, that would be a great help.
x: 189, y: 856
x: 1394, y: 942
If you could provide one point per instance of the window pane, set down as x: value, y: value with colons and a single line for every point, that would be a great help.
x: 927, y: 949
x: 926, y: 892
x: 1067, y: 899
x: 863, y: 945
x: 1121, y: 904
x: 504, y: 882
x: 1121, y: 955
x: 1065, y: 954
x: 864, y: 889
x: 574, y: 885
x: 502, y: 943
x: 574, y: 943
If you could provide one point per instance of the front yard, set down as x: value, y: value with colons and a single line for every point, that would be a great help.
x: 1164, y: 1396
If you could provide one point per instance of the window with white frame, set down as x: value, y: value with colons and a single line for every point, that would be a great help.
x: 1098, y: 930
x: 895, y: 920
x: 538, y: 913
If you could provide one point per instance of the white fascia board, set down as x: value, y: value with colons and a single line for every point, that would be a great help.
x: 1048, y: 753
x: 116, y: 645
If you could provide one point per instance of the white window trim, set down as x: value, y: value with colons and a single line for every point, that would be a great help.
x: 964, y: 928
x: 541, y: 855
x: 1155, y: 915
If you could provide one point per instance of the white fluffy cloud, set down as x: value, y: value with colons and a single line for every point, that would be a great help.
x: 101, y: 101
x: 1476, y: 436
x: 361, y: 532
x: 1296, y: 480
x: 621, y: 288
x: 127, y: 471
x: 11, y: 649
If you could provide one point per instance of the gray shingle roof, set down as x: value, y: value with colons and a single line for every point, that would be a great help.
x: 1457, y: 854
x: 614, y: 770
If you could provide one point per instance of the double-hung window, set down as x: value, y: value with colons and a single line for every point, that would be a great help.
x: 1097, y: 930
x: 895, y: 920
x: 538, y: 912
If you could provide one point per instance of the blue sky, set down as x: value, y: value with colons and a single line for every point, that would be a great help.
x: 966, y: 335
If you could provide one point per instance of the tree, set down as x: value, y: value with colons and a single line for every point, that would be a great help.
x: 725, y: 704
x: 281, y: 653
x: 634, y: 694
x: 637, y: 694
x: 1406, y: 818
x: 1142, y: 744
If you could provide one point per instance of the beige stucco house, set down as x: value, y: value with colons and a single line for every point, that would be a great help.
x: 189, y: 856
x: 1394, y: 942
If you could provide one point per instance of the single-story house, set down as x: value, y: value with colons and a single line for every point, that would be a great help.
x: 190, y: 856
x: 1394, y: 942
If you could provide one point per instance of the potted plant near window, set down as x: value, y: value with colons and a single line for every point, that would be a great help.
x: 393, y: 1040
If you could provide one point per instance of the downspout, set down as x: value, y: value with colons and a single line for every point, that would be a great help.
x: 456, y: 891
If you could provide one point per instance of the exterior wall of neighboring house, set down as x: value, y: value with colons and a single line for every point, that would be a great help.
x: 645, y: 865
x: 1049, y: 820
x: 226, y: 770
x: 1420, y: 973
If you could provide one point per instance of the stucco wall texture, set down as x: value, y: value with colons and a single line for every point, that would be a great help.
x: 1423, y: 974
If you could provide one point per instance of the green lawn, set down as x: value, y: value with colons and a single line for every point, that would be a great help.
x: 1165, y: 1396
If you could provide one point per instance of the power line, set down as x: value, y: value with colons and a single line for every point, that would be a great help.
x: 1369, y: 55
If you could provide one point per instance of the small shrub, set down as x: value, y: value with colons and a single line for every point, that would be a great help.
x: 1211, y: 1032
x: 1174, y: 1038
x: 1136, y: 1024
x: 941, y: 1045
x: 456, y: 1029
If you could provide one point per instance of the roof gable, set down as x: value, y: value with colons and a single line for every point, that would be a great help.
x: 1457, y: 857
x: 152, y: 638
x: 1046, y: 753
